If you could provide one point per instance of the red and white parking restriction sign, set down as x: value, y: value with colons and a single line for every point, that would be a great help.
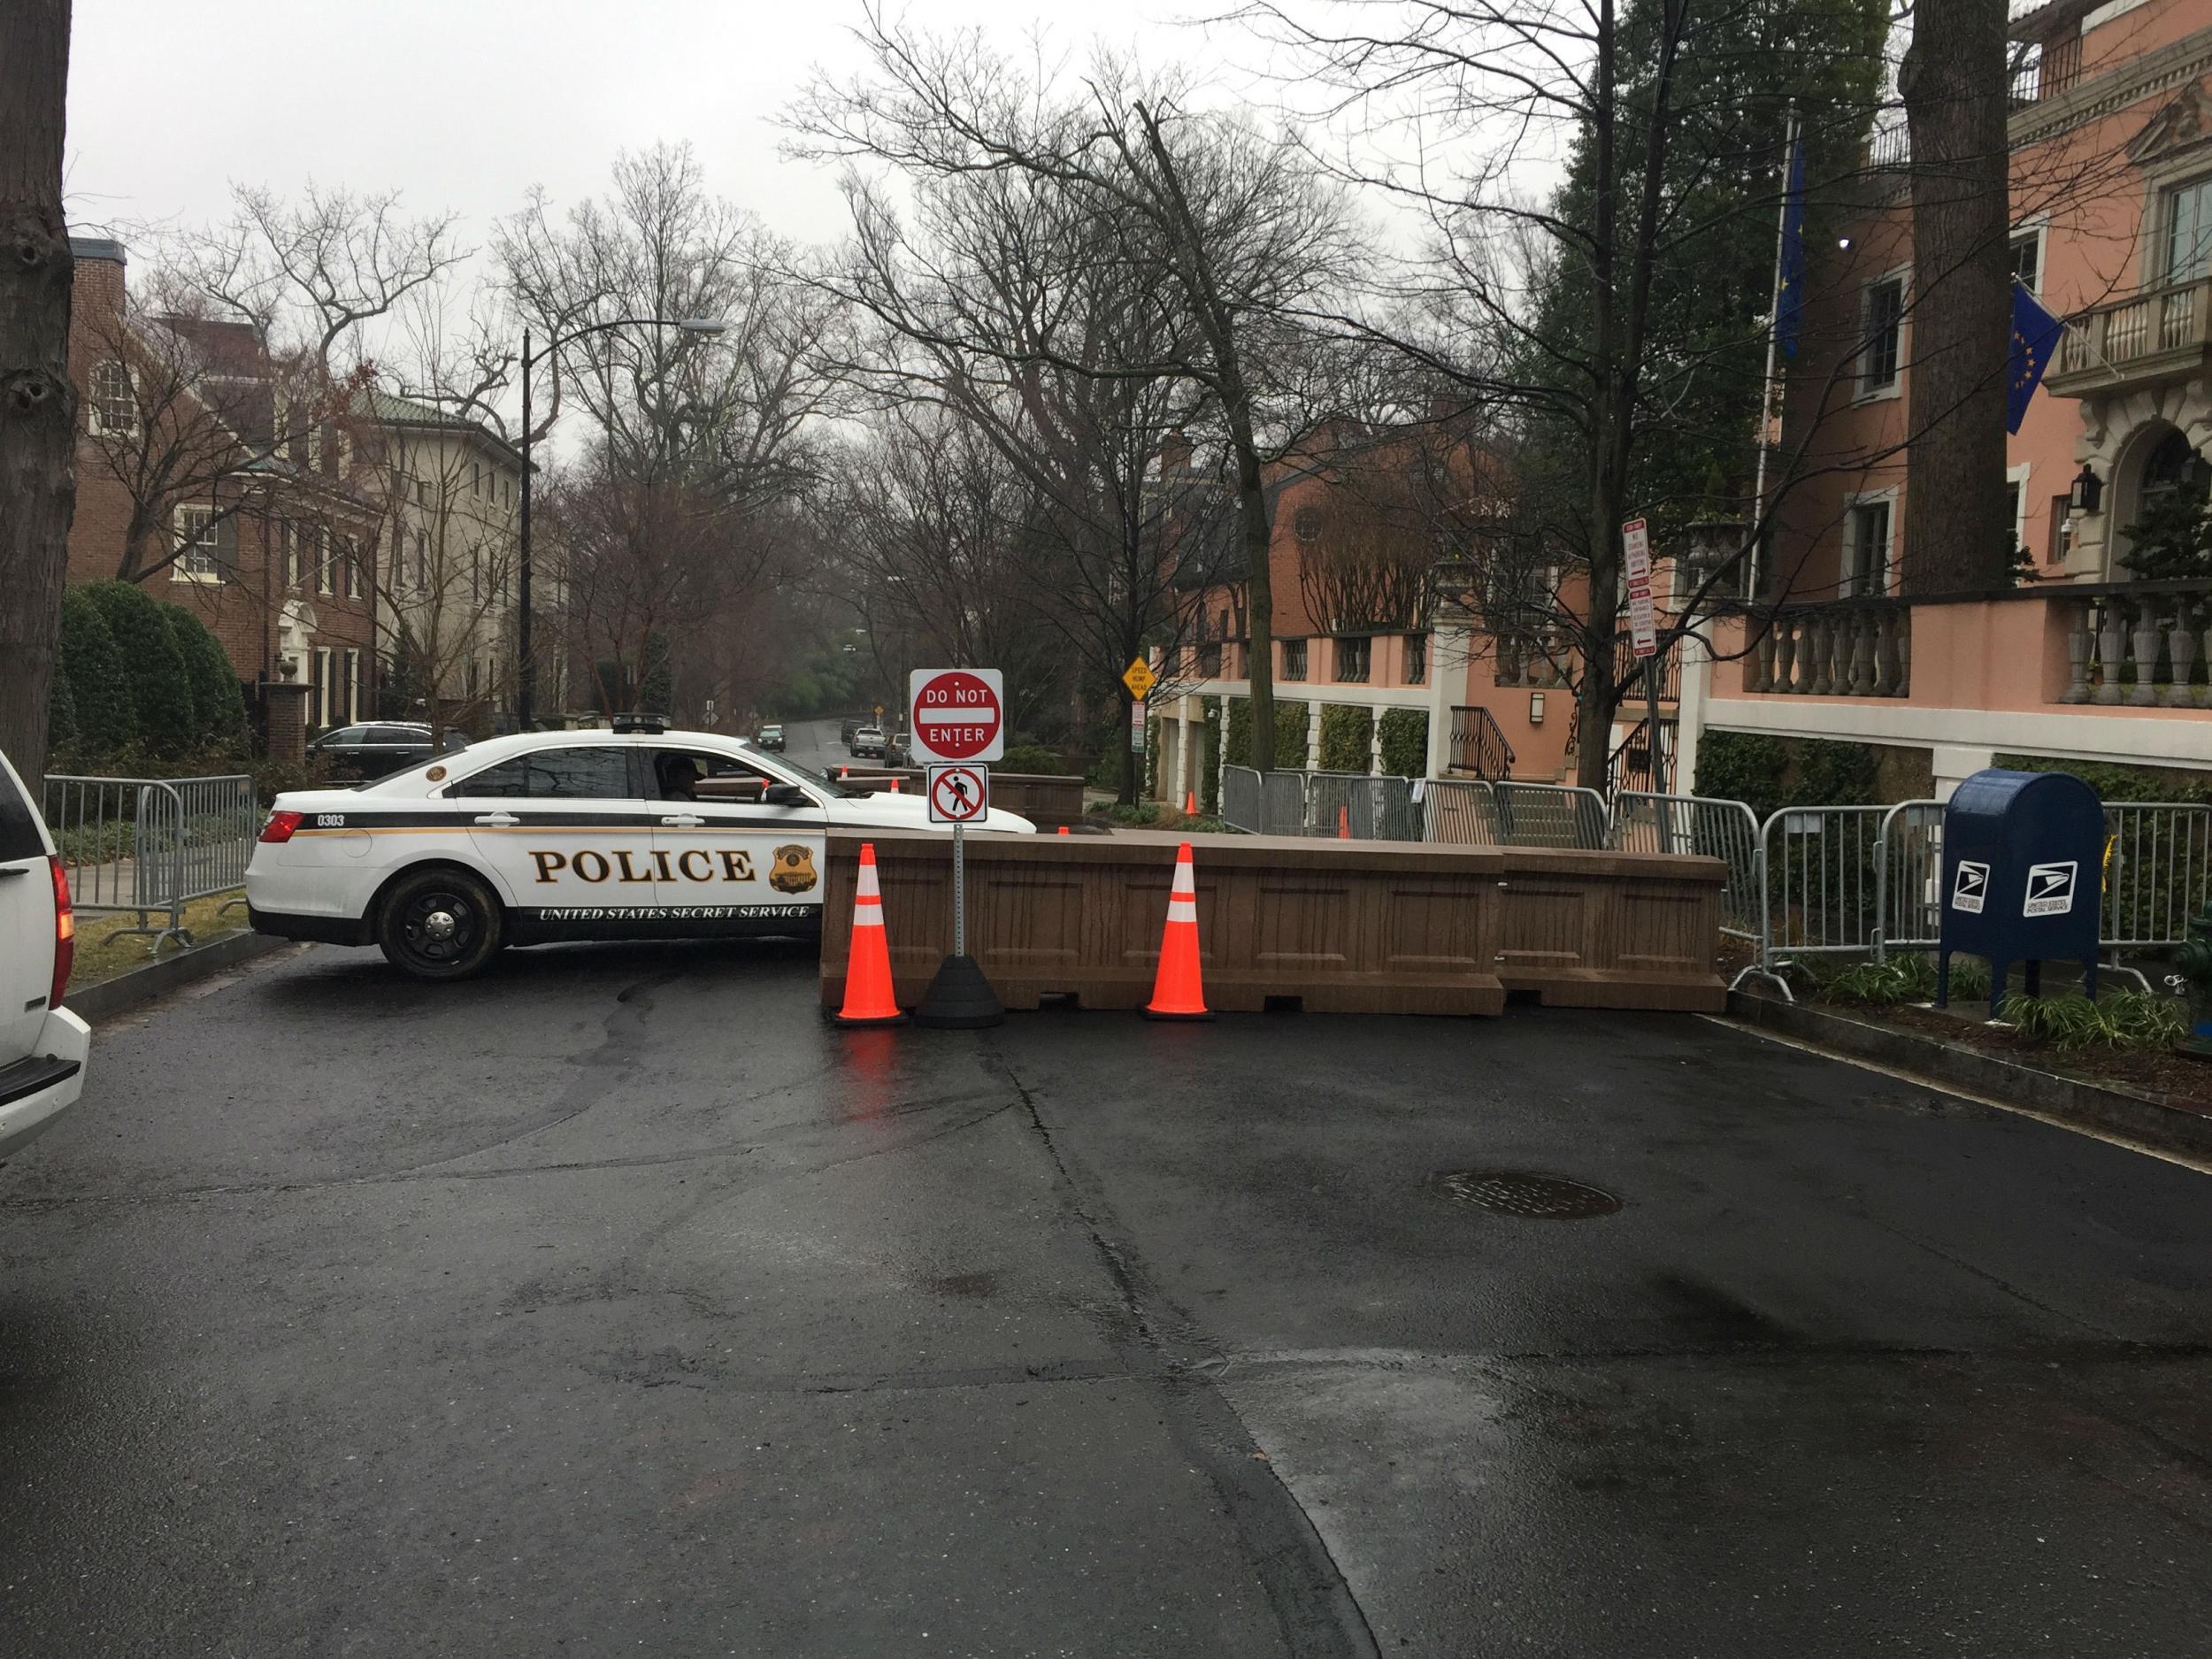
x: 959, y: 795
x: 958, y: 714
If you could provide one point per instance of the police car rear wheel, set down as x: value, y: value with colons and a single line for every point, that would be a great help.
x: 439, y: 924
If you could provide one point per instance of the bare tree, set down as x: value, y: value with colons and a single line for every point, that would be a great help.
x: 38, y: 405
x: 707, y: 442
x: 1224, y: 230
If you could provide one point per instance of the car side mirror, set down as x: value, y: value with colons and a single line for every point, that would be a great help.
x: 786, y: 795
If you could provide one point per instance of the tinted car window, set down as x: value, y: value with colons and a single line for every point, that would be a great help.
x: 593, y: 774
x: 397, y: 734
x: 344, y: 737
x: 18, y: 829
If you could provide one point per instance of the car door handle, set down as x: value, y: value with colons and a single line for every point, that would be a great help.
x: 501, y: 820
x: 684, y: 820
x: 15, y: 870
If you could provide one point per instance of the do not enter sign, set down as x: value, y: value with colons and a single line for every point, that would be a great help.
x: 957, y: 713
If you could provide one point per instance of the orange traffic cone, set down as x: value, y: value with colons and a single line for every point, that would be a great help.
x: 1344, y: 823
x: 844, y: 772
x: 1190, y: 803
x: 1063, y: 829
x: 895, y: 785
x: 1178, y: 991
x: 869, y: 999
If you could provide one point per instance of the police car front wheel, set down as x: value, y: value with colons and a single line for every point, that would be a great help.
x: 439, y: 924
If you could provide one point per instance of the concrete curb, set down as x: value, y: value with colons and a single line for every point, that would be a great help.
x: 127, y: 991
x: 2144, y: 1118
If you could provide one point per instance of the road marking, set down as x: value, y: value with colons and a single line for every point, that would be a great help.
x: 2201, y: 1166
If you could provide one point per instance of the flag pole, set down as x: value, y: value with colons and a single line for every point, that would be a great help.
x: 1766, y: 386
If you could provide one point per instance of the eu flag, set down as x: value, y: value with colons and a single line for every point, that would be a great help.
x: 2035, y: 334
x: 1789, y: 292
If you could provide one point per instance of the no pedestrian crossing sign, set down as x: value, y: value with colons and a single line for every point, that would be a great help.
x: 959, y: 795
x: 958, y: 714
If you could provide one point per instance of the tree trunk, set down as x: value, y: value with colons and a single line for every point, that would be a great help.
x: 38, y: 405
x: 1957, y: 535
x: 1259, y: 600
x: 1609, y: 415
x: 1131, y: 763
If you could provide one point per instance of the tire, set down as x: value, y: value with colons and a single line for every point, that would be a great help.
x: 439, y: 923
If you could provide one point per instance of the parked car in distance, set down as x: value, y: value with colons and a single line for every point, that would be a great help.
x: 373, y: 751
x: 867, y: 742
x: 770, y: 736
x: 848, y: 726
x: 42, y: 1045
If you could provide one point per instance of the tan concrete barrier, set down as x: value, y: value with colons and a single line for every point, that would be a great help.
x: 1045, y: 799
x: 1330, y: 926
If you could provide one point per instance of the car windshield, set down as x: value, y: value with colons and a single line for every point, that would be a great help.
x: 808, y: 775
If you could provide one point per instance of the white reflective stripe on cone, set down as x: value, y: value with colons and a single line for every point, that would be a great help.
x: 1182, y: 910
x: 867, y: 916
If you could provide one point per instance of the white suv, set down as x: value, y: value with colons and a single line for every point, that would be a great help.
x: 42, y: 1045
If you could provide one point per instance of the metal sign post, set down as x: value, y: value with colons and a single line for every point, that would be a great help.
x: 957, y: 726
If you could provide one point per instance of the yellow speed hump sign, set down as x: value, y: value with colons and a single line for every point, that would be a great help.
x: 1138, y: 678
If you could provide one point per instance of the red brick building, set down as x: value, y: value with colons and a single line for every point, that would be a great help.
x: 213, y: 477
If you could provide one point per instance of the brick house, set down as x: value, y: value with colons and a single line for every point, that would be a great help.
x: 206, y: 475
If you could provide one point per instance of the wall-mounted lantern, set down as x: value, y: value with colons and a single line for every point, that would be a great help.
x: 2088, y: 490
x: 1536, y: 707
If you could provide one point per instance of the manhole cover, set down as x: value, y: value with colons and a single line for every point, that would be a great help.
x: 1518, y: 1192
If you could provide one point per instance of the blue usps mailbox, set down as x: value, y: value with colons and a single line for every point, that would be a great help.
x: 2023, y: 873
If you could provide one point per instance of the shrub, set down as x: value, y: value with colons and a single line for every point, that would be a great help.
x: 1347, y: 734
x: 1209, y: 774
x: 1405, y: 742
x: 104, y: 717
x: 1294, y: 727
x: 160, y: 688
x: 2127, y: 1019
x: 2113, y: 782
x: 1769, y: 773
x: 219, y: 704
x: 1034, y: 758
x: 1239, y: 739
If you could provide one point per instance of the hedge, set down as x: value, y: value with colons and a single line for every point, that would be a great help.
x: 1347, y: 738
x: 1405, y: 742
x: 1769, y: 773
x: 161, y: 686
x: 2115, y: 782
x: 91, y: 713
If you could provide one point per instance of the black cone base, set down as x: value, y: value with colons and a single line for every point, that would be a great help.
x: 960, y: 998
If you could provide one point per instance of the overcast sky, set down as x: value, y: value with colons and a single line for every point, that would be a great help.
x: 467, y: 103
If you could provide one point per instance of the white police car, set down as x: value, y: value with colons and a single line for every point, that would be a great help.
x: 636, y: 833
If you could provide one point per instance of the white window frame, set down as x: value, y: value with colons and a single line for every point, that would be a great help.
x: 97, y: 402
x: 2163, y: 194
x: 353, y: 685
x: 315, y: 446
x: 199, y: 549
x: 325, y: 582
x: 325, y: 661
x: 349, y: 566
x: 2016, y: 476
x: 1852, y: 571
x: 1894, y: 386
x: 2039, y: 231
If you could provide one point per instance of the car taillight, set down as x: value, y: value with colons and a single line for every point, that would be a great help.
x: 64, y: 935
x: 278, y: 829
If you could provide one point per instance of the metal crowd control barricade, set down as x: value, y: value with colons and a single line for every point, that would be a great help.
x: 1371, y: 808
x: 1707, y: 827
x: 150, y: 846
x: 1823, y: 895
x: 1458, y: 812
x: 1549, y: 815
x: 2157, y: 873
x: 1911, y: 870
x: 1242, y: 799
x: 1282, y: 804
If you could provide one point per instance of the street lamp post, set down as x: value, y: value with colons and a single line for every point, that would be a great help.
x: 526, y: 664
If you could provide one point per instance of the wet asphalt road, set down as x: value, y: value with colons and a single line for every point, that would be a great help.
x: 612, y: 1304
